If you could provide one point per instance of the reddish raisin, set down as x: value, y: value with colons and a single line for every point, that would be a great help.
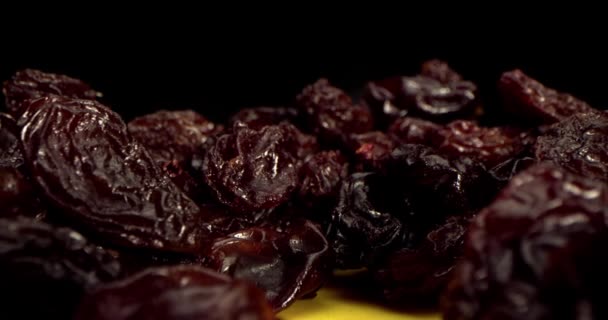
x: 369, y: 148
x: 256, y: 118
x: 533, y: 102
x: 537, y: 252
x: 440, y: 71
x: 286, y: 263
x: 88, y: 166
x: 173, y: 135
x: 177, y: 292
x: 579, y: 144
x: 31, y: 84
x: 415, y: 131
x: 251, y: 169
x: 331, y: 113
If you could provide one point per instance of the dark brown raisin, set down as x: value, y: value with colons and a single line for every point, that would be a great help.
x: 287, y: 263
x: 251, y: 169
x: 369, y: 148
x: 31, y: 84
x: 177, y: 292
x: 533, y: 102
x: 46, y: 270
x: 11, y: 153
x: 331, y: 113
x: 579, y: 144
x: 173, y: 135
x: 83, y: 159
x: 416, y: 276
x: 537, y: 252
x: 440, y: 71
x: 416, y: 131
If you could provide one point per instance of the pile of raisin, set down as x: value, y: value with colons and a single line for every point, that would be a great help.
x: 174, y: 216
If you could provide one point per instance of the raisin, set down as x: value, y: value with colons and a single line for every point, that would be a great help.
x: 369, y: 148
x: 489, y: 146
x: 416, y: 276
x: 173, y: 135
x: 536, y: 252
x: 251, y: 169
x: 579, y: 144
x: 531, y: 101
x: 287, y: 263
x: 320, y: 178
x: 87, y: 165
x: 183, y: 179
x: 176, y: 292
x: 415, y: 131
x: 440, y: 71
x: 421, y: 96
x: 46, y: 270
x: 11, y: 153
x: 366, y: 220
x: 31, y: 84
x: 259, y: 117
x: 331, y: 113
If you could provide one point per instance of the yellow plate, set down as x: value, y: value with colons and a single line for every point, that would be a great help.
x: 343, y: 300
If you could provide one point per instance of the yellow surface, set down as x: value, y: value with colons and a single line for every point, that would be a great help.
x: 348, y: 297
x: 331, y: 304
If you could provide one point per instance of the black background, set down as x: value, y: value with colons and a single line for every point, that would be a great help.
x: 217, y: 68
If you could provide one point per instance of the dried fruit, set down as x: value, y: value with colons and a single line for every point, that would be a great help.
x: 369, y: 148
x: 31, y: 84
x: 177, y: 292
x: 579, y: 144
x: 331, y: 113
x: 416, y: 131
x: 320, y: 178
x: 416, y: 276
x: 531, y: 101
x: 287, y: 263
x: 537, y: 252
x: 45, y: 270
x: 440, y: 71
x: 11, y: 153
x: 251, y: 169
x: 87, y: 165
x: 173, y: 135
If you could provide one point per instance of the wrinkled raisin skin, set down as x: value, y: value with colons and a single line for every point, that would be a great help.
x: 579, y: 144
x: 177, y: 292
x: 45, y: 270
x: 87, y: 165
x: 173, y: 135
x: 251, y: 169
x: 259, y: 117
x: 415, y: 131
x: 533, y: 102
x: 331, y: 114
x: 286, y: 263
x: 537, y: 252
x: 32, y: 84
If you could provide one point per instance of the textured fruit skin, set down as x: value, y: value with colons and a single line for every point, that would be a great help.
x: 331, y: 114
x: 259, y: 117
x: 173, y: 135
x: 251, y: 170
x: 286, y: 262
x: 415, y: 131
x: 579, y: 144
x: 368, y: 149
x: 533, y: 102
x: 87, y: 165
x: 437, y: 94
x: 418, y: 275
x: 176, y: 292
x: 45, y: 270
x: 32, y: 84
x: 11, y: 153
x: 536, y: 252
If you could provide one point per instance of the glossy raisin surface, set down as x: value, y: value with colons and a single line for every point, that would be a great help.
x: 251, y: 169
x: 369, y: 148
x: 532, y: 101
x: 578, y: 143
x: 286, y: 262
x: 536, y: 252
x: 259, y: 117
x: 173, y: 135
x: 331, y: 114
x: 320, y: 178
x: 46, y: 270
x: 416, y: 131
x: 86, y: 164
x: 177, y: 292
x: 31, y: 84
